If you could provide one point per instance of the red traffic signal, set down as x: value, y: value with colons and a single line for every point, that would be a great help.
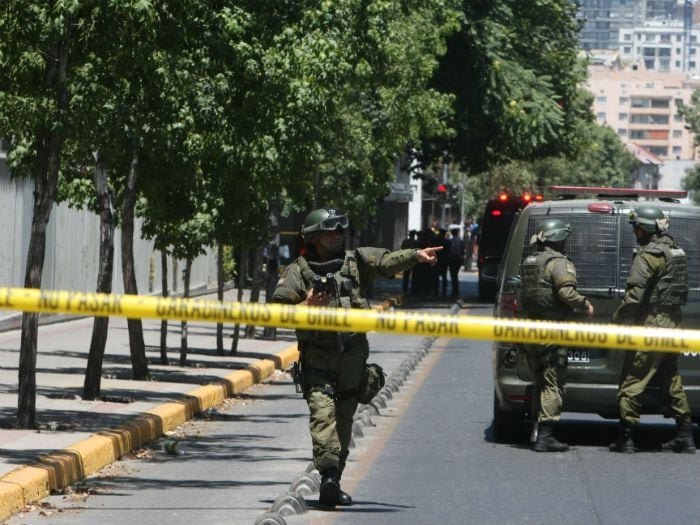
x: 442, y: 188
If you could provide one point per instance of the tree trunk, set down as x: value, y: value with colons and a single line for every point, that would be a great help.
x: 272, y: 266
x: 105, y: 198
x: 183, y: 324
x: 164, y: 293
x: 255, y: 288
x: 46, y: 168
x: 139, y: 363
x: 220, y: 296
x: 241, y: 269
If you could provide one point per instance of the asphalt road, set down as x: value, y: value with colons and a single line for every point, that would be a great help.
x: 430, y: 458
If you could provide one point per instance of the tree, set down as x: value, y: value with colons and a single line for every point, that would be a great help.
x: 39, y: 54
x: 514, y: 71
x: 691, y: 114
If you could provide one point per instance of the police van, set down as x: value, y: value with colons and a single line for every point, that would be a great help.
x: 602, y: 247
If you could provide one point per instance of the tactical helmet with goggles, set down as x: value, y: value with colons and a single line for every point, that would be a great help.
x: 646, y: 218
x: 324, y: 219
x: 551, y: 230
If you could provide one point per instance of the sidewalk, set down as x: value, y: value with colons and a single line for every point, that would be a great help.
x: 76, y: 438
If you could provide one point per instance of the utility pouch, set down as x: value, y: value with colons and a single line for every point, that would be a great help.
x: 371, y: 382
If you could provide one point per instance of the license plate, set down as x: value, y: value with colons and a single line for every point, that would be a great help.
x: 579, y: 356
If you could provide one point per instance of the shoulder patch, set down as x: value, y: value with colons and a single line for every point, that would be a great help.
x: 570, y: 268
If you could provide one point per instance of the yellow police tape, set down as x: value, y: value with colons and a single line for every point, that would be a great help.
x: 352, y: 320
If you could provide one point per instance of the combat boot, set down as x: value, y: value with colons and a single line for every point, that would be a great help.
x: 329, y: 495
x: 546, y: 442
x: 625, y: 439
x: 344, y: 499
x: 683, y: 442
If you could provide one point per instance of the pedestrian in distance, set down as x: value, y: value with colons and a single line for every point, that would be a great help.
x: 409, y: 242
x: 333, y: 374
x: 549, y: 293
x: 455, y: 259
x: 656, y: 288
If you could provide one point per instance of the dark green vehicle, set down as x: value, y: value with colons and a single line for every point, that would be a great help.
x: 601, y: 247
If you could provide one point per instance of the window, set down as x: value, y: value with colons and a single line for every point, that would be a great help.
x: 649, y: 37
x: 693, y: 38
x: 624, y: 101
x: 665, y: 52
x: 602, y: 100
x: 664, y: 65
x: 600, y: 117
x: 678, y: 38
x: 665, y: 39
x: 622, y: 132
x: 693, y: 50
x: 660, y: 103
x: 649, y: 64
x: 628, y: 37
x: 678, y: 102
x: 678, y: 63
x: 677, y: 133
x: 649, y: 51
x: 644, y: 118
x: 691, y: 64
x: 678, y: 51
x: 677, y: 118
x: 677, y: 150
x: 622, y: 116
x: 659, y: 151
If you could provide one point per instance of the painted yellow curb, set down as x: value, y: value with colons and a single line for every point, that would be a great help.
x: 62, y: 468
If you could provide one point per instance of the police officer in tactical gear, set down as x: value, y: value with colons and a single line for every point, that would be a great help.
x: 549, y: 293
x: 656, y: 288
x: 333, y: 364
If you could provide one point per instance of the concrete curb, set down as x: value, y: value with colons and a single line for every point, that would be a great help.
x: 30, y: 483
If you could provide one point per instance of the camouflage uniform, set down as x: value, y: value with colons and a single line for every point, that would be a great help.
x: 655, y: 290
x: 333, y: 363
x: 549, y: 293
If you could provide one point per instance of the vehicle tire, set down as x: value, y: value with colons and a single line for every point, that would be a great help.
x: 507, y: 427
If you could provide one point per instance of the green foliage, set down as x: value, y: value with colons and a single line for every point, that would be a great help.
x: 603, y: 161
x: 514, y: 70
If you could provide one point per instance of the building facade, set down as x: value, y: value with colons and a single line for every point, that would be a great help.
x: 642, y: 107
x: 603, y: 19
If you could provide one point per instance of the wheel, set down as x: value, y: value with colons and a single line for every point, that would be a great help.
x: 507, y: 427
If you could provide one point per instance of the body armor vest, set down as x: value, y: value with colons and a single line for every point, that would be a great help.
x: 347, y: 278
x: 538, y: 296
x: 672, y: 286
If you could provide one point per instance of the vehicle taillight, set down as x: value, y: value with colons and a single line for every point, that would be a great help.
x: 539, y: 198
x: 496, y: 213
x: 503, y: 197
x: 527, y: 197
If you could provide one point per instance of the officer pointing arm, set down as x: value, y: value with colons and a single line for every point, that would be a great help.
x: 335, y: 375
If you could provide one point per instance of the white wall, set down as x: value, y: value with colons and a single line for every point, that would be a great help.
x: 73, y: 247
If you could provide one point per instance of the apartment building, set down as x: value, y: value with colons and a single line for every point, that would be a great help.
x: 604, y: 19
x: 642, y: 106
x: 662, y: 45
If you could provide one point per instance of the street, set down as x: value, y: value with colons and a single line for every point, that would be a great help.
x: 428, y: 458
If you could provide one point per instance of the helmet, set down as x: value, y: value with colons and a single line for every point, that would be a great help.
x: 646, y: 217
x: 324, y: 219
x: 552, y: 230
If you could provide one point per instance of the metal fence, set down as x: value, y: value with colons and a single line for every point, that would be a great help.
x: 73, y: 247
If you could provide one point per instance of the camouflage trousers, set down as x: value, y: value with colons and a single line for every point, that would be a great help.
x: 548, y: 365
x: 331, y: 378
x: 637, y: 371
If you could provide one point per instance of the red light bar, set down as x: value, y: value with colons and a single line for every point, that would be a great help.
x: 503, y: 196
x: 600, y: 207
x: 496, y: 213
x: 539, y: 197
x: 620, y: 192
x: 527, y: 197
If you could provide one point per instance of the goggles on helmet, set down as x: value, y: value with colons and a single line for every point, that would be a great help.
x: 332, y: 223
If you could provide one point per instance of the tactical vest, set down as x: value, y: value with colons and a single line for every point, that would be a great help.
x: 347, y: 279
x: 672, y: 286
x: 537, y: 295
